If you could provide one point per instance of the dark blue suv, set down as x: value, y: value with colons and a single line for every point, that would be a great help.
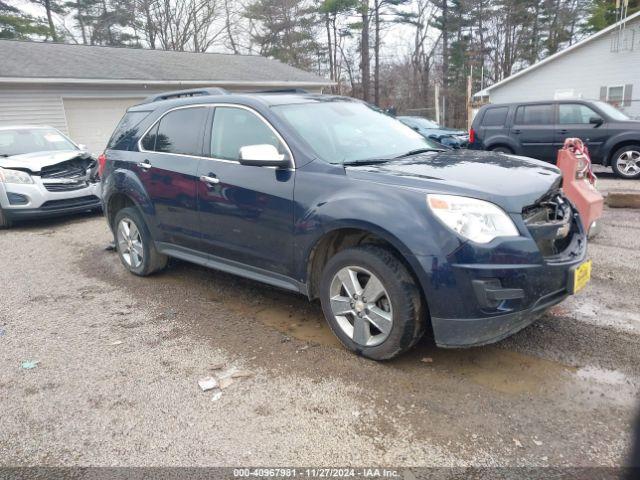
x: 324, y: 196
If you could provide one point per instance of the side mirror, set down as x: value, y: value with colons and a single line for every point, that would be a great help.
x: 597, y: 121
x: 263, y: 155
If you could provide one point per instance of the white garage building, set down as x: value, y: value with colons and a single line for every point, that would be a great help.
x: 604, y: 66
x: 84, y: 90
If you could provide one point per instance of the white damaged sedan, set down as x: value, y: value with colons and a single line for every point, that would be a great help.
x: 43, y: 173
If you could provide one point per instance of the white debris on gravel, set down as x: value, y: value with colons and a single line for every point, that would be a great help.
x: 207, y: 383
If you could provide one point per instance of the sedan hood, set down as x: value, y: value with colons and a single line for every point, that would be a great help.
x: 34, y: 162
x: 507, y: 180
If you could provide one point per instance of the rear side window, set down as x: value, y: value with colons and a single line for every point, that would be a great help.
x: 534, y: 115
x: 126, y: 130
x: 180, y: 132
x: 495, y: 117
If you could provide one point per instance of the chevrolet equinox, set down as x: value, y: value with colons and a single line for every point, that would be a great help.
x: 324, y: 196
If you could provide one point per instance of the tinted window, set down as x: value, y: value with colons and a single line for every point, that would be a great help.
x: 574, y: 113
x: 126, y: 130
x: 179, y: 131
x: 495, y: 117
x: 534, y: 115
x: 234, y: 128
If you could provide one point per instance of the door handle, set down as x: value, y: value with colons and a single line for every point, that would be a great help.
x: 516, y: 131
x: 146, y: 165
x: 563, y: 131
x: 212, y: 180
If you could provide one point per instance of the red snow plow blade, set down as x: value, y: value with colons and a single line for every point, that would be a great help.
x: 579, y: 183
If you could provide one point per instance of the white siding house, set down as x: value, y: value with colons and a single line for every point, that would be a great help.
x: 605, y: 66
x: 84, y: 90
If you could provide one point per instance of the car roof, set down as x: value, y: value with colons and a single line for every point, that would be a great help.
x: 267, y: 99
x: 538, y: 102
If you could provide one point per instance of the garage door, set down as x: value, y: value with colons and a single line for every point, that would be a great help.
x: 92, y: 120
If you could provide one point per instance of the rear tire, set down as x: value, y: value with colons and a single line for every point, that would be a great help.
x: 4, y: 221
x: 386, y: 324
x: 134, y: 244
x: 502, y: 149
x: 625, y: 162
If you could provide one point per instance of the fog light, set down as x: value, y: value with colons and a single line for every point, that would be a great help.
x: 17, y: 199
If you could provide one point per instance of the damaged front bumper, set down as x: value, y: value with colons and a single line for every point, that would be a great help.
x: 20, y: 201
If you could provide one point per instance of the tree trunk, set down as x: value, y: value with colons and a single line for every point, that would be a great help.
x: 52, y: 27
x: 81, y: 22
x: 376, y: 50
x: 364, y: 51
x: 445, y: 52
x: 332, y: 73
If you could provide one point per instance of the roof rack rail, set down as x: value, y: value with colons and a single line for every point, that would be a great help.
x: 193, y: 92
x: 281, y: 90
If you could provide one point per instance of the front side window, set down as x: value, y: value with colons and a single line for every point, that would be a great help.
x: 345, y: 132
x: 534, y: 115
x: 17, y: 141
x: 612, y: 111
x: 234, y: 128
x: 179, y: 131
x: 573, y: 113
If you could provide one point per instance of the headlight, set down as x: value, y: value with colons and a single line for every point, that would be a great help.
x: 477, y: 220
x: 14, y: 176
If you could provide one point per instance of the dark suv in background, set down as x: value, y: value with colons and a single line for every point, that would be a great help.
x: 323, y: 196
x: 539, y: 129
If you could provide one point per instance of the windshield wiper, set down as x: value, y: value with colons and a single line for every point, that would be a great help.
x: 365, y: 161
x: 4, y: 155
x: 418, y: 151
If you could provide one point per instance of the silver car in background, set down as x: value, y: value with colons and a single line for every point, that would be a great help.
x: 43, y: 173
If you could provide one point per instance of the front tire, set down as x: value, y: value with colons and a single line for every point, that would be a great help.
x: 371, y: 302
x: 625, y: 162
x: 134, y: 244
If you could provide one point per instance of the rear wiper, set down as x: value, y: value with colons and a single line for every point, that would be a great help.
x: 418, y: 151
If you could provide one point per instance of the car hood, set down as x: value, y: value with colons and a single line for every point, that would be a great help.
x: 34, y: 162
x: 509, y: 181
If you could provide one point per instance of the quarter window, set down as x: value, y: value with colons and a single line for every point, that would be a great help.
x: 534, y: 115
x: 572, y: 113
x: 180, y: 132
x: 495, y: 117
x: 234, y: 128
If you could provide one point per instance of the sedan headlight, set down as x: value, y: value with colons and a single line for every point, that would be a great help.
x: 477, y: 220
x: 14, y: 176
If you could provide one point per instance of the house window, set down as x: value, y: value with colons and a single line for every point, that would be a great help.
x: 615, y: 95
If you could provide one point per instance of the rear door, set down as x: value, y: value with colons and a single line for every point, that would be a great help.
x: 246, y: 212
x: 533, y: 130
x: 573, y: 121
x: 167, y: 166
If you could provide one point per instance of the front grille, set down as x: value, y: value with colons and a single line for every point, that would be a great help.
x: 89, y: 201
x: 552, y: 223
x: 67, y: 176
x: 65, y: 187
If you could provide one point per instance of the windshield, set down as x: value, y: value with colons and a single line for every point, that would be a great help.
x: 349, y: 132
x: 28, y: 140
x: 422, y: 122
x: 612, y: 111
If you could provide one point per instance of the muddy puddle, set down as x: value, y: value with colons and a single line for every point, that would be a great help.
x: 503, y: 371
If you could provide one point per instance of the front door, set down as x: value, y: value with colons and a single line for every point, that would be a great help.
x: 168, y: 166
x: 574, y: 121
x: 246, y: 212
x: 534, y: 131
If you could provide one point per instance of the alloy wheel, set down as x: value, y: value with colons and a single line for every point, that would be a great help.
x: 130, y: 243
x: 628, y: 163
x: 361, y: 306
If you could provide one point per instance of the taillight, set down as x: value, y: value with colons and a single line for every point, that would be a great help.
x: 102, y: 163
x: 472, y: 135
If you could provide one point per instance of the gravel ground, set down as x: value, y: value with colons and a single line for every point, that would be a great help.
x: 119, y: 359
